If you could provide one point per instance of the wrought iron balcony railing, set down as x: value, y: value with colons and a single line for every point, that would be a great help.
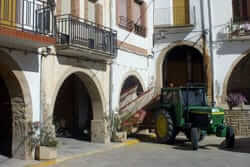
x: 239, y: 27
x: 126, y: 23
x: 27, y: 15
x: 76, y: 31
x: 140, y: 30
x: 130, y: 25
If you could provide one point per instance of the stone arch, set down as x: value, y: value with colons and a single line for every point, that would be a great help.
x: 229, y: 74
x: 21, y: 105
x: 134, y: 74
x: 94, y: 89
x: 160, y: 60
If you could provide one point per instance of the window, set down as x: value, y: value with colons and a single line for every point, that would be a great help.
x: 43, y: 20
x: 123, y: 10
x: 241, y: 10
x: 137, y: 14
x: 91, y: 11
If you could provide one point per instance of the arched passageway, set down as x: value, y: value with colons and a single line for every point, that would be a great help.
x: 130, y: 83
x: 16, y: 110
x: 239, y: 81
x: 5, y: 120
x: 182, y: 65
x: 73, y: 111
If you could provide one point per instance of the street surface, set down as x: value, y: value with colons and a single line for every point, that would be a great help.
x: 150, y: 154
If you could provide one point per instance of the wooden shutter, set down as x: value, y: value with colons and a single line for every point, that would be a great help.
x: 144, y: 16
x: 99, y: 14
x: 181, y: 12
x: 130, y: 9
x: 86, y: 8
x: 8, y: 12
x: 75, y: 7
x: 58, y: 7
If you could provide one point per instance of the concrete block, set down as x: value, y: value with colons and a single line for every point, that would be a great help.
x: 47, y: 153
x: 119, y: 137
x: 99, y: 131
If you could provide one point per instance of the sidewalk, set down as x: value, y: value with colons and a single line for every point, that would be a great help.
x: 68, y: 149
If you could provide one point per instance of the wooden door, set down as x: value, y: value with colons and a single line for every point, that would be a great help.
x: 181, y: 12
x: 8, y: 12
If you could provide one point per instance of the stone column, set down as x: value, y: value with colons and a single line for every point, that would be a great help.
x: 99, y: 131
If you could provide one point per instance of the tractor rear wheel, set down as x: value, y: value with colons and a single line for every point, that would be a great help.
x: 194, y: 138
x: 230, y: 138
x: 164, y: 128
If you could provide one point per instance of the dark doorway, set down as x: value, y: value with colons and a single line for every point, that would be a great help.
x: 5, y: 120
x: 73, y: 110
x: 182, y: 65
x: 132, y: 82
x: 239, y: 81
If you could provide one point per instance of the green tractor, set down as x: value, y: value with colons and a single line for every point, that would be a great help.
x: 186, y: 109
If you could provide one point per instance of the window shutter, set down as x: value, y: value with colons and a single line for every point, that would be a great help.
x: 75, y: 7
x: 130, y: 9
x: 181, y: 12
x: 58, y: 7
x: 86, y: 8
x: 99, y: 14
x: 144, y: 16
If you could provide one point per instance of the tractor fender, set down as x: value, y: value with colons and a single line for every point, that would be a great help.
x: 221, y: 131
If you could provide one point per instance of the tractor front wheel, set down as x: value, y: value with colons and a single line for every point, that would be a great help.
x: 164, y: 128
x: 194, y: 138
x: 230, y: 138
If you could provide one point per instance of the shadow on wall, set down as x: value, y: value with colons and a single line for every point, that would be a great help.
x: 83, y: 63
x: 231, y: 47
x: 29, y: 61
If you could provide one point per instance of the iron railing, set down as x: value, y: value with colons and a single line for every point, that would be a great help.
x: 140, y: 30
x: 175, y: 16
x: 239, y: 26
x: 130, y: 25
x: 72, y: 30
x: 126, y: 23
x: 27, y: 15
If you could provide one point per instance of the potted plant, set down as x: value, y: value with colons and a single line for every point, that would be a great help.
x: 235, y: 99
x: 44, y: 144
x: 48, y: 144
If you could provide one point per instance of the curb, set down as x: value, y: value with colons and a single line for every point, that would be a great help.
x: 63, y: 159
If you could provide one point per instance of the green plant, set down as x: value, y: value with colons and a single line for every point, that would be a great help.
x: 46, y: 137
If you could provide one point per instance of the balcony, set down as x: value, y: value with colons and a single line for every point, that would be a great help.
x: 129, y: 25
x: 82, y: 38
x: 239, y: 28
x: 175, y: 17
x: 26, y: 24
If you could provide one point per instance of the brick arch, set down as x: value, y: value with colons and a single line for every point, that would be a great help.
x: 21, y: 105
x: 160, y: 60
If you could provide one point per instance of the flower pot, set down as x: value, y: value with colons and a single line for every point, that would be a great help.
x: 47, y: 153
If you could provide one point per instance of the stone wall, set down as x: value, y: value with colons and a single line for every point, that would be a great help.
x: 240, y: 120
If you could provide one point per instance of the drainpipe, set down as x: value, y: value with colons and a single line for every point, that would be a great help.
x: 41, y: 88
x: 211, y: 49
x: 111, y: 63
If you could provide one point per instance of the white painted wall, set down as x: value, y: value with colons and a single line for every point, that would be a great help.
x: 128, y: 62
x: 225, y: 52
x: 29, y: 63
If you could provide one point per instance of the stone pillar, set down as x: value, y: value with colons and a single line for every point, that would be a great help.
x: 99, y: 131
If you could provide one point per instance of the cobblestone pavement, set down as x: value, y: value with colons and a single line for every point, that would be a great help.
x: 148, y: 154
